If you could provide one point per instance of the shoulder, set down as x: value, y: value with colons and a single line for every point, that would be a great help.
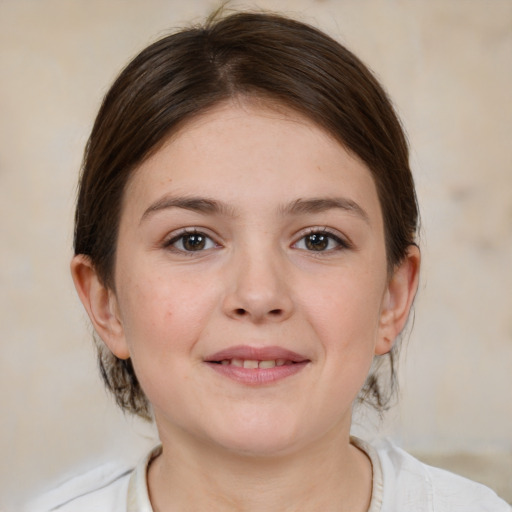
x: 411, y: 485
x: 101, y: 489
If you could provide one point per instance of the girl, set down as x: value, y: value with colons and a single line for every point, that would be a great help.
x: 245, y: 249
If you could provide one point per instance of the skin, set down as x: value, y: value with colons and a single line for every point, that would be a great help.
x: 256, y: 283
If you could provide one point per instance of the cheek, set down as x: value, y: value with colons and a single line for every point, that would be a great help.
x: 164, y: 319
x: 164, y: 312
x: 345, y: 309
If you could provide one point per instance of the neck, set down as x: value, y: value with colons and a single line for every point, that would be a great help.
x: 331, y: 475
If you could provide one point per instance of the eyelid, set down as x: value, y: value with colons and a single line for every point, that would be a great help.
x: 174, y: 236
x: 343, y: 241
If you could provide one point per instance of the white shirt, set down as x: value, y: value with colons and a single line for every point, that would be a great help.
x: 401, y: 483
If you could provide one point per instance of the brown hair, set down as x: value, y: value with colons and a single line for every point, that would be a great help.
x: 184, y: 74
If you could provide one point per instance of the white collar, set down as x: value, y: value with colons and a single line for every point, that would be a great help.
x: 138, y: 493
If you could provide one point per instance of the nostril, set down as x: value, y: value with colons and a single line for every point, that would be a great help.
x: 273, y: 313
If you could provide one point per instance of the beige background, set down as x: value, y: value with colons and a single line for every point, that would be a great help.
x: 448, y: 66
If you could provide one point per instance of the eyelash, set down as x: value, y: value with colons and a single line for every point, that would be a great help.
x: 208, y: 243
x: 170, y: 244
x: 341, y: 243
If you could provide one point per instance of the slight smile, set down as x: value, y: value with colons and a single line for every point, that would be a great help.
x: 256, y: 366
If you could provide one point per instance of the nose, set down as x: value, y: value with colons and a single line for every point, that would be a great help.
x: 257, y: 289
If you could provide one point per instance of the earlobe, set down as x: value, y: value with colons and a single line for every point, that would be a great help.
x: 398, y: 299
x: 101, y: 305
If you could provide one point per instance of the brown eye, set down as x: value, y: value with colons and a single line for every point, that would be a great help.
x: 320, y: 241
x: 191, y: 242
x: 317, y: 242
x: 195, y: 242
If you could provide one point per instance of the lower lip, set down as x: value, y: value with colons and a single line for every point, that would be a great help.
x: 258, y: 376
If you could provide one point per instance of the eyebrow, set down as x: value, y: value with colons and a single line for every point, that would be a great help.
x: 319, y: 205
x: 195, y: 204
x: 298, y: 207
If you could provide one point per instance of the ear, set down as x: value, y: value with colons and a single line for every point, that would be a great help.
x: 101, y: 305
x: 398, y: 299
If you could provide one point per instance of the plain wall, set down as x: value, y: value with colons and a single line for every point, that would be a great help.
x: 448, y: 67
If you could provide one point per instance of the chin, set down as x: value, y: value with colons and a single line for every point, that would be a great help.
x: 259, y: 446
x: 259, y: 437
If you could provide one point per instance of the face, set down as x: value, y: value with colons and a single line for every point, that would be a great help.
x: 251, y: 285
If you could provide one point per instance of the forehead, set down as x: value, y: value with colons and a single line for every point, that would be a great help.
x: 247, y: 149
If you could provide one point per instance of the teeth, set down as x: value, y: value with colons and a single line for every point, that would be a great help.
x: 253, y: 364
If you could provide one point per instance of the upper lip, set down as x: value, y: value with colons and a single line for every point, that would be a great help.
x: 247, y: 352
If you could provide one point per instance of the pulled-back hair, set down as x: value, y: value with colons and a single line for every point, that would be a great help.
x: 183, y: 75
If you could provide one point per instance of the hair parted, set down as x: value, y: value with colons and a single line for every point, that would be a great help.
x: 260, y: 55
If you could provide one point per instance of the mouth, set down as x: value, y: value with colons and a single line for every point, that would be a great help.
x: 254, y: 363
x: 257, y: 366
